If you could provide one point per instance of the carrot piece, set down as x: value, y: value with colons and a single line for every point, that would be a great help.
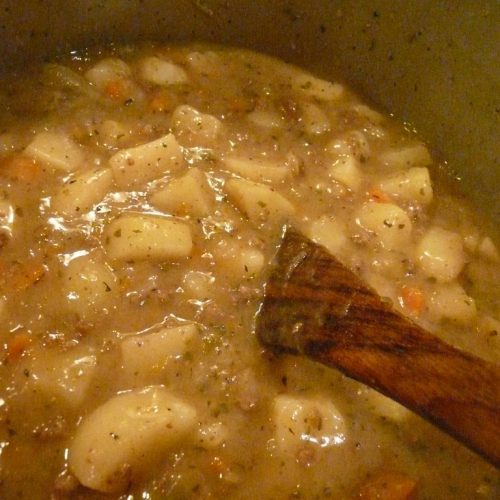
x: 412, y: 298
x: 389, y: 486
x: 376, y: 194
x: 17, y: 345
x: 161, y: 101
x: 23, y: 169
x: 117, y: 89
x: 240, y: 104
x: 26, y: 275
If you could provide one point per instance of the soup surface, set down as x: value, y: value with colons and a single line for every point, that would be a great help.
x: 144, y: 191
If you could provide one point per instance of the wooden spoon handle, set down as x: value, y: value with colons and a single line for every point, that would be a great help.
x: 317, y: 307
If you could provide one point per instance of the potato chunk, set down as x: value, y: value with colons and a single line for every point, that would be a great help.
x: 7, y: 218
x: 260, y: 203
x: 112, y: 134
x: 440, y: 254
x: 257, y: 170
x: 147, y: 237
x: 387, y: 222
x: 108, y: 70
x: 187, y: 195
x: 313, y: 119
x: 449, y: 301
x: 316, y: 87
x: 136, y: 166
x: 410, y: 156
x: 346, y: 170
x: 413, y: 184
x: 353, y: 143
x: 56, y: 150
x: 64, y: 377
x: 488, y: 250
x: 161, y: 72
x: 195, y: 128
x: 299, y: 420
x: 329, y: 232
x: 266, y: 118
x: 124, y: 435
x: 238, y: 260
x: 144, y: 355
x: 198, y: 285
x: 81, y: 193
x: 87, y: 283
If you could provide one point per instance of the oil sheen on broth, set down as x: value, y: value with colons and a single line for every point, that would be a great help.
x: 144, y: 192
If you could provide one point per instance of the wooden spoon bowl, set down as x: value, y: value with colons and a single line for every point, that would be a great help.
x: 316, y: 307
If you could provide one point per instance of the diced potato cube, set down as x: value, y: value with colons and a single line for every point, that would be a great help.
x: 260, y: 203
x: 369, y: 113
x: 204, y: 63
x: 79, y: 194
x: 147, y: 237
x: 313, y: 119
x: 330, y: 233
x: 56, y: 150
x: 353, y: 143
x: 440, y: 254
x: 488, y: 250
x: 195, y: 128
x: 346, y: 170
x: 471, y: 237
x: 111, y: 134
x: 489, y: 330
x: 87, y: 282
x: 413, y: 184
x: 298, y: 420
x: 198, y: 285
x: 144, y: 355
x: 187, y: 195
x: 161, y: 72
x: 108, y: 70
x: 110, y: 445
x: 134, y: 167
x: 256, y: 169
x: 316, y: 87
x: 450, y: 301
x: 410, y: 156
x: 265, y: 118
x: 7, y: 217
x: 238, y: 260
x: 65, y: 376
x: 390, y: 225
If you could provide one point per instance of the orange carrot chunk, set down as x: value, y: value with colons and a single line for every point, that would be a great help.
x: 22, y: 169
x: 413, y: 299
x: 16, y: 345
x: 117, y: 89
x: 26, y: 275
x: 377, y: 195
x: 161, y: 102
x: 389, y: 486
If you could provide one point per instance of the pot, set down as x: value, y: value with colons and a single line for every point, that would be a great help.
x: 433, y: 64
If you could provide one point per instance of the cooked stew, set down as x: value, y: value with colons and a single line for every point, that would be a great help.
x: 144, y: 191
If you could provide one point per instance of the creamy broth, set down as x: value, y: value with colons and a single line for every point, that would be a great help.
x: 144, y: 194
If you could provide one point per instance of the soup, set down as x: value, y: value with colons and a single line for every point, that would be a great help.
x: 144, y: 194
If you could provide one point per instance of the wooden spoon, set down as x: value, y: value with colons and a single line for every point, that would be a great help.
x: 316, y: 307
